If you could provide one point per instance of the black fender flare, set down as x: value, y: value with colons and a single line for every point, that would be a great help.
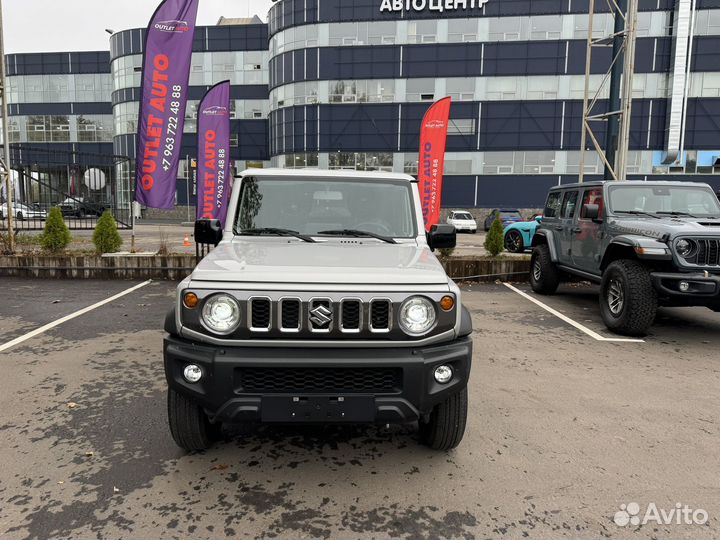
x: 466, y: 324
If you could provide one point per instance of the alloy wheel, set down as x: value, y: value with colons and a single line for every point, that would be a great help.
x: 615, y: 297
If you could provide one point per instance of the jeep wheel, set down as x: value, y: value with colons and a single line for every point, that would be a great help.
x: 446, y: 426
x: 544, y: 276
x: 514, y: 242
x: 189, y: 425
x: 628, y: 301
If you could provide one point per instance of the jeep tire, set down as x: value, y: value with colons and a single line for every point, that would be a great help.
x: 446, y: 426
x: 189, y: 425
x: 628, y: 301
x: 544, y: 275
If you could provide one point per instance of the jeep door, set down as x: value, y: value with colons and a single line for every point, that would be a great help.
x: 587, y: 237
x: 565, y: 229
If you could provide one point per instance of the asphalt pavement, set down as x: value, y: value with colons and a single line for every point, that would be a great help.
x: 563, y: 429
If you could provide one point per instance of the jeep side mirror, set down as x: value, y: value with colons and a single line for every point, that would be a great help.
x: 590, y: 211
x: 208, y: 231
x: 442, y: 236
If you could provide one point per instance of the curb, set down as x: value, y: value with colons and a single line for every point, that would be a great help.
x: 177, y: 267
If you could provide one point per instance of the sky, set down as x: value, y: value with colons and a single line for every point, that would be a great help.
x: 79, y: 25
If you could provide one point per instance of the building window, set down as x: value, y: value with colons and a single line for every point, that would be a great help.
x: 382, y: 33
x: 422, y: 31
x: 498, y: 163
x: 463, y: 30
x: 461, y: 89
x: 420, y: 90
x: 506, y: 29
x: 545, y: 27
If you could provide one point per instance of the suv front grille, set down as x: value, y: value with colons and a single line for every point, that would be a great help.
x: 319, y: 380
x: 707, y: 252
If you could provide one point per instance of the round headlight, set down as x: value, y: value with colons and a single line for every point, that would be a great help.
x: 685, y: 248
x: 221, y: 314
x: 417, y: 316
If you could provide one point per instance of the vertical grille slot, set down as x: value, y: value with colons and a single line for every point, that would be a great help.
x: 290, y: 315
x: 351, y: 315
x: 260, y: 314
x: 380, y: 316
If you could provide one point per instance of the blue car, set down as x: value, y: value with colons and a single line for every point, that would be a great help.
x: 518, y: 236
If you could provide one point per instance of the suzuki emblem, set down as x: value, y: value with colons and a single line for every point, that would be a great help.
x: 320, y: 316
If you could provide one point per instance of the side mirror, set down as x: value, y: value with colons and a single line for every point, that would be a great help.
x: 590, y: 211
x: 538, y: 219
x: 442, y: 236
x: 208, y: 231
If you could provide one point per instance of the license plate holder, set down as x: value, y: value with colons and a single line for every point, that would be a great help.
x: 303, y: 409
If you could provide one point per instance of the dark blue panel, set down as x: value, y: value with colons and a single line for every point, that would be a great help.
x: 524, y: 58
x: 378, y: 62
x: 512, y: 191
x: 703, y: 124
x: 311, y: 126
x: 358, y: 127
x: 298, y: 114
x: 311, y: 59
x: 573, y: 124
x: 299, y: 65
x: 58, y: 63
x: 530, y: 125
x: 705, y: 54
x: 458, y: 191
x: 28, y: 109
x: 449, y: 60
x: 641, y: 115
x: 412, y: 115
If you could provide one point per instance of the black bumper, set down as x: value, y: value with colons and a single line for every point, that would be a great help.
x: 703, y: 290
x: 388, y: 385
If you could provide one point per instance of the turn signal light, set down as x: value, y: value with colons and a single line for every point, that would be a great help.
x: 191, y: 300
x: 447, y: 303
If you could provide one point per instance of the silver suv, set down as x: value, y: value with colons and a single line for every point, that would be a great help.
x: 322, y: 302
x: 647, y: 244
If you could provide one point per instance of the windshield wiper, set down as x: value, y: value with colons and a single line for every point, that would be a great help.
x: 359, y: 234
x: 674, y: 213
x: 637, y: 213
x: 276, y: 232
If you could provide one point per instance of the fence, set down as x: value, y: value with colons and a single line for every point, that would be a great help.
x: 83, y: 185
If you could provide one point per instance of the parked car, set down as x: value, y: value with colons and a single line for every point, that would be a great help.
x: 519, y: 236
x: 507, y: 217
x: 647, y: 244
x: 79, y: 208
x: 284, y: 322
x: 462, y: 221
x: 23, y: 211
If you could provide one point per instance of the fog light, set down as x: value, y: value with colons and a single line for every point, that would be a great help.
x: 192, y: 373
x: 443, y: 374
x: 684, y: 286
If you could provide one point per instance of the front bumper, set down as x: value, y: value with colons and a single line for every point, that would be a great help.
x: 703, y: 289
x: 223, y: 393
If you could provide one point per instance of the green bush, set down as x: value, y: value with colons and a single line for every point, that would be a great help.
x: 446, y: 252
x: 56, y: 236
x: 495, y: 241
x: 106, y: 236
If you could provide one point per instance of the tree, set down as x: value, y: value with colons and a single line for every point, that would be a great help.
x: 56, y: 236
x: 495, y: 242
x: 106, y: 236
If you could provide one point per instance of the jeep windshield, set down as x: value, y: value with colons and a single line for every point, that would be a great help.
x: 326, y: 207
x: 664, y: 200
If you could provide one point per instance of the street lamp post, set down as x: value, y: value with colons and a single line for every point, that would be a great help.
x: 6, y: 137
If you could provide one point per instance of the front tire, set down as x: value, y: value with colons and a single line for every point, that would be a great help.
x: 189, y: 425
x: 628, y: 301
x: 446, y: 426
x: 514, y: 242
x: 544, y: 275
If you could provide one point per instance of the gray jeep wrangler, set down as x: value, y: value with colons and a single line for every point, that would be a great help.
x: 322, y: 303
x: 647, y: 244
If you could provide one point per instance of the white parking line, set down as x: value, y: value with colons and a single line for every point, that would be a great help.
x: 67, y: 318
x: 568, y: 320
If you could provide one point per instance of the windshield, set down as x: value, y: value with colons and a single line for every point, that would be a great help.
x: 308, y: 206
x: 463, y: 216
x: 510, y: 215
x: 670, y: 200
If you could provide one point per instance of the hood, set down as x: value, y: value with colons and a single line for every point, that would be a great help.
x: 658, y: 228
x: 290, y: 261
